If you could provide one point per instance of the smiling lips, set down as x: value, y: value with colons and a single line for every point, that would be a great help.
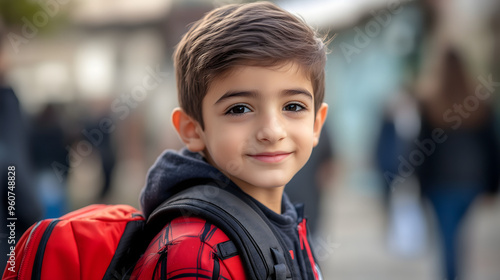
x: 271, y: 157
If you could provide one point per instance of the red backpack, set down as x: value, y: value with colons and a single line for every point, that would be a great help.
x: 88, y: 243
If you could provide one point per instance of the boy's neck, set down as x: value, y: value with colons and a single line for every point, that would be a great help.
x: 271, y: 198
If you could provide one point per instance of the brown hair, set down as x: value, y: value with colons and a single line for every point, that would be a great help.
x: 258, y: 34
x: 455, y: 86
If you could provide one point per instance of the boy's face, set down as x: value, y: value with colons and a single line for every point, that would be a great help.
x: 260, y: 125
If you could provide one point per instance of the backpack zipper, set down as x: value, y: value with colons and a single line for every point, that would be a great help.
x: 37, y: 266
x: 27, y: 251
x: 164, y: 269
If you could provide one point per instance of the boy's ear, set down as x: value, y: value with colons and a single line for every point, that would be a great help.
x: 319, y: 121
x: 189, y: 130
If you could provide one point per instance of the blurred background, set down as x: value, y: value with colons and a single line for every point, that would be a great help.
x: 403, y: 184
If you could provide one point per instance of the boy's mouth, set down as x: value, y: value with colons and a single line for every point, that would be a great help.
x: 271, y: 157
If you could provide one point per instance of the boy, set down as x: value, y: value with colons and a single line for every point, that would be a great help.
x: 250, y: 82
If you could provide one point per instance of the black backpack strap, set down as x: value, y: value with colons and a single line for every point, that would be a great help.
x: 132, y: 244
x: 259, y: 246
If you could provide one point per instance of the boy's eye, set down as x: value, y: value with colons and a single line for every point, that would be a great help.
x: 238, y: 110
x: 293, y: 107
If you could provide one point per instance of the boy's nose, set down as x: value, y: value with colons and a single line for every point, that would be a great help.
x: 271, y: 130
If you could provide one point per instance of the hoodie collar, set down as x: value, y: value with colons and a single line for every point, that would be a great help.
x: 174, y: 170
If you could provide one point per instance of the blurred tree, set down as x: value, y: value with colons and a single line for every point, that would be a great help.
x: 12, y: 11
x: 16, y: 13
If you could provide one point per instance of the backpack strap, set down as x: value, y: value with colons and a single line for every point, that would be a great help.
x: 128, y: 251
x: 259, y: 245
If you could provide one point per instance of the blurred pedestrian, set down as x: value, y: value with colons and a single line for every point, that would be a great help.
x: 400, y: 124
x: 401, y: 200
x: 48, y: 147
x: 464, y: 163
x: 97, y: 125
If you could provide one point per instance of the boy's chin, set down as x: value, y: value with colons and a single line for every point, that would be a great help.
x: 263, y: 184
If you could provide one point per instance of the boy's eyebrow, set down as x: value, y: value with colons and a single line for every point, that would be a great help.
x: 298, y: 91
x: 253, y: 94
x: 231, y: 94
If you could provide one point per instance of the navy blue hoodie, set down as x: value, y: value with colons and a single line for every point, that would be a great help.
x: 173, y: 168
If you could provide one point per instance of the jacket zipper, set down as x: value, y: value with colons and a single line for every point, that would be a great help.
x: 302, y: 229
x: 37, y: 266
